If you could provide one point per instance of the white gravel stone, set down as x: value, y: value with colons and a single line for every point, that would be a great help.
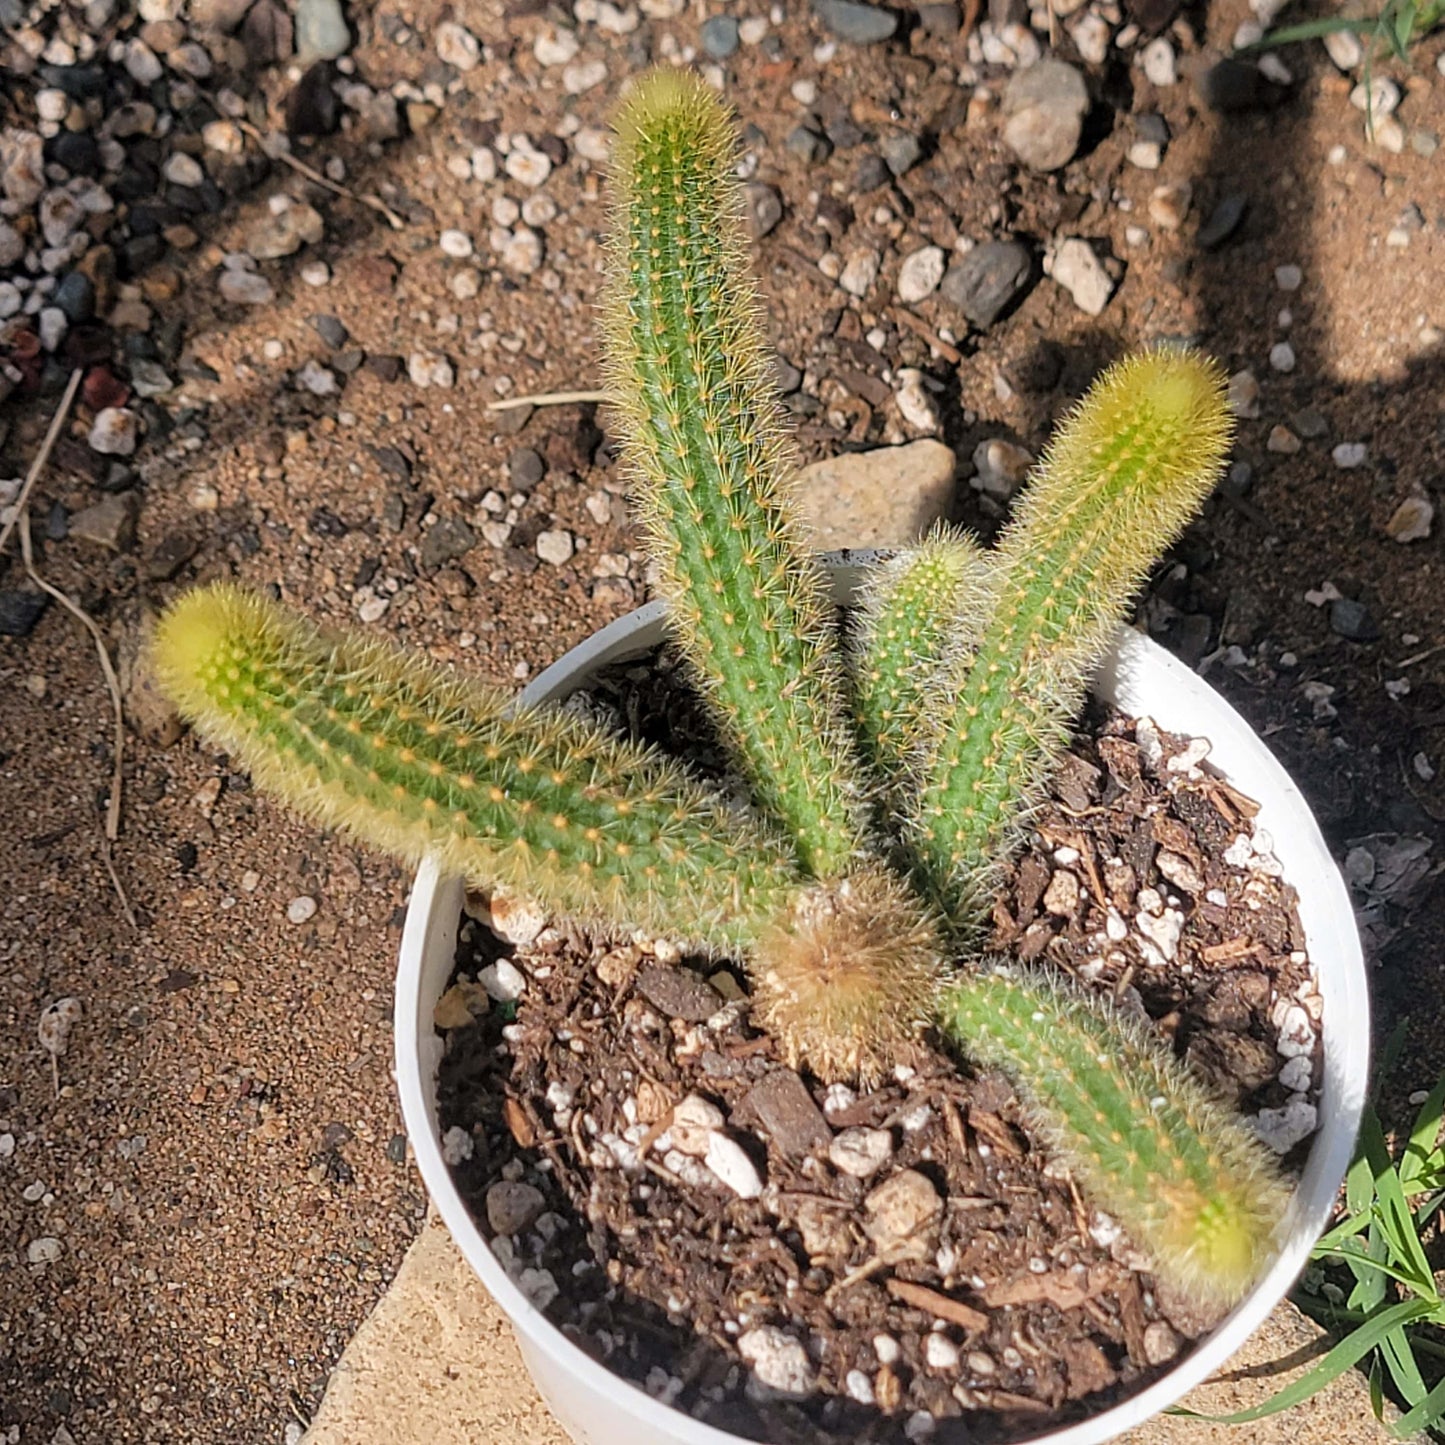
x: 430, y: 368
x: 504, y: 982
x: 246, y: 288
x: 1169, y: 204
x: 114, y: 431
x: 1297, y: 1073
x: 694, y: 1121
x: 1283, y: 1128
x: 1159, y: 62
x: 859, y: 272
x: 859, y: 1387
x: 51, y: 104
x: 1344, y: 49
x: 45, y: 1250
x: 527, y: 166
x: 593, y: 144
x: 583, y: 75
x: 1378, y: 99
x: 456, y: 244
x: 301, y: 909
x: 915, y: 402
x: 1288, y: 278
x: 53, y: 326
x: 1091, y: 38
x: 141, y: 62
x: 779, y: 1361
x: 999, y: 468
x: 730, y: 1162
x: 940, y: 1353
x: 555, y: 46
x: 1078, y: 269
x: 1281, y: 356
x: 920, y: 273
x: 316, y: 273
x: 457, y: 46
x: 556, y: 547
x: 1061, y: 897
x: 523, y: 252
x: 860, y: 1152
x: 1347, y: 456
x: 537, y: 210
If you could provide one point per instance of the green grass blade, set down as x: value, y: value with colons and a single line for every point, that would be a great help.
x: 1430, y: 1411
x: 1422, y: 1153
x: 1344, y: 1356
x: 1396, y: 1220
x: 1404, y: 1372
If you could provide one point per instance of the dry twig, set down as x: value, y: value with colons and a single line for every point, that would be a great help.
x: 547, y: 398
x: 21, y: 521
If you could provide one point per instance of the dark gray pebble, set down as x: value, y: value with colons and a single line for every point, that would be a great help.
x: 1223, y: 222
x: 719, y: 36
x: 1352, y: 619
x: 854, y: 23
x: 525, y: 468
x: 330, y: 330
x: 988, y: 280
x: 808, y: 145
x: 20, y: 611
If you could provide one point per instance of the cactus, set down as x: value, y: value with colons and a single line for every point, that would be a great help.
x: 968, y: 669
x: 690, y: 380
x: 357, y: 735
x: 1138, y: 1132
x: 909, y: 618
x: 1127, y: 469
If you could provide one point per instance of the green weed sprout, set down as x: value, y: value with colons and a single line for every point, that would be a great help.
x: 890, y: 777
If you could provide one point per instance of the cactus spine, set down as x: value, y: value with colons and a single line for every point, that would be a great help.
x: 911, y: 614
x: 1137, y: 1130
x: 1127, y: 469
x: 689, y: 374
x: 356, y: 735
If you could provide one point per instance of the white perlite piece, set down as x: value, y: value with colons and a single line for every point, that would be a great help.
x: 1282, y: 1129
x: 861, y: 1152
x: 729, y: 1161
x: 859, y: 1387
x: 1296, y: 1034
x: 779, y: 1361
x: 45, y: 1250
x: 456, y: 1146
x: 301, y: 909
x: 1161, y: 934
x: 503, y: 981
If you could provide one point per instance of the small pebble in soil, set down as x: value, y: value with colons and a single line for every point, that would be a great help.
x: 1078, y: 269
x: 859, y: 1152
x: 987, y: 281
x: 1349, y: 455
x: 301, y: 909
x: 503, y: 981
x: 733, y: 1166
x: 779, y: 1361
x: 512, y: 1206
x: 1412, y: 520
x: 1045, y: 106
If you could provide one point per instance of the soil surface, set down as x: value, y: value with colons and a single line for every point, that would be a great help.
x: 193, y: 1224
x: 796, y: 1262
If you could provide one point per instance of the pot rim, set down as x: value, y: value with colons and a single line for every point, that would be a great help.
x: 433, y: 915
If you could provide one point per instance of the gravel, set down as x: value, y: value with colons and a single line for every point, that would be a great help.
x: 989, y: 280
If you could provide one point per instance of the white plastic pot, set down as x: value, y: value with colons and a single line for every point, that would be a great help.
x: 595, y: 1406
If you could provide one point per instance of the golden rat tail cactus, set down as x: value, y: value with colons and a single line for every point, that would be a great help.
x: 1125, y: 472
x: 968, y: 668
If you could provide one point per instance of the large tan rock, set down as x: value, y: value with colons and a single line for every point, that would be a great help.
x: 888, y: 497
x: 436, y: 1364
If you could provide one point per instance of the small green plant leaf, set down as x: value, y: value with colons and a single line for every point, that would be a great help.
x: 1344, y: 1356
